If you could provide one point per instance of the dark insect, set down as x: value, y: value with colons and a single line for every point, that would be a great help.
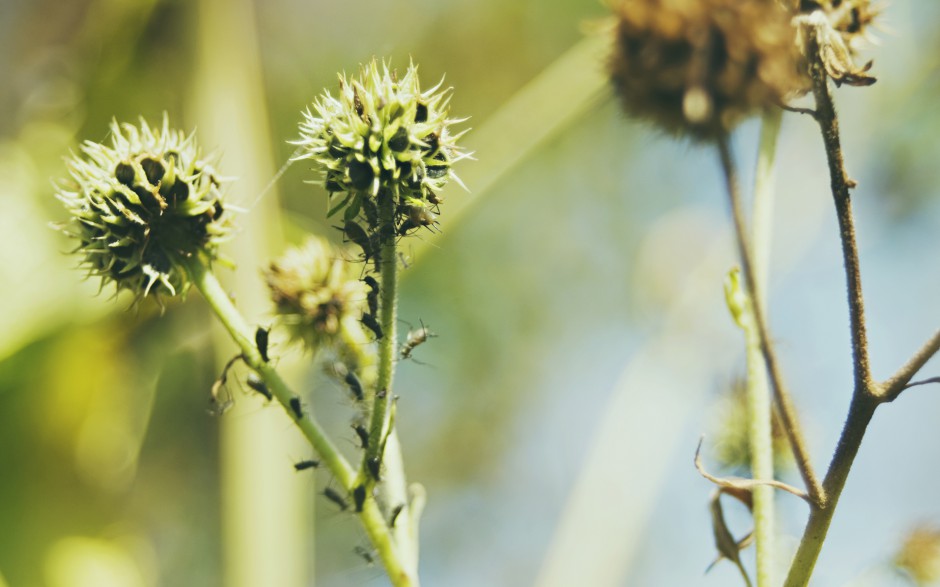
x: 374, y: 465
x: 304, y: 465
x: 363, y: 435
x: 296, y: 407
x: 255, y: 382
x: 365, y: 554
x: 394, y: 517
x: 358, y: 236
x: 261, y: 340
x: 369, y: 321
x: 406, y: 226
x: 334, y: 496
x: 355, y: 386
x: 359, y: 496
x: 373, y: 296
x: 414, y: 338
x: 370, y: 211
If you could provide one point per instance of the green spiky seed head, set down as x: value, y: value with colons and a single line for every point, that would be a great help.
x: 381, y: 137
x: 317, y: 293
x: 141, y: 203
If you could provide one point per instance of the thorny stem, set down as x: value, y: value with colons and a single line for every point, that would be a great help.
x: 371, y: 516
x: 759, y: 405
x: 782, y: 397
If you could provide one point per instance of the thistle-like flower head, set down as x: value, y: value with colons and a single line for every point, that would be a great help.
x: 141, y: 203
x: 382, y: 137
x: 317, y: 293
x: 697, y: 67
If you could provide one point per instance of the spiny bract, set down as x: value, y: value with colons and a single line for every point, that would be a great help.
x: 142, y: 203
x: 382, y: 137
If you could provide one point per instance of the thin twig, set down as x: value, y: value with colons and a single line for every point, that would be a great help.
x: 922, y: 382
x: 798, y: 110
x: 781, y: 395
x: 893, y: 387
x: 743, y: 483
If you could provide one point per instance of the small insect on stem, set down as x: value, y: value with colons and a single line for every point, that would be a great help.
x: 307, y: 464
x: 394, y: 517
x: 355, y: 386
x: 415, y: 338
x: 359, y: 497
x: 363, y: 435
x: 296, y: 407
x: 261, y: 340
x: 255, y: 382
x: 369, y: 321
x: 365, y: 555
x: 372, y: 298
x: 374, y: 465
x: 359, y: 236
x: 334, y: 496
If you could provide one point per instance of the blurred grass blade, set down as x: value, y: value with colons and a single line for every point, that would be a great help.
x: 545, y: 106
x: 266, y: 526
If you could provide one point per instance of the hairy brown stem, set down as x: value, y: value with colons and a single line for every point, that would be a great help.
x: 865, y: 395
x: 781, y: 395
x: 840, y: 183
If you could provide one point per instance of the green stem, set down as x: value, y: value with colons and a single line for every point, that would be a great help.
x: 388, y: 310
x: 860, y: 413
x: 781, y: 395
x: 371, y: 516
x: 383, y: 438
x: 759, y: 405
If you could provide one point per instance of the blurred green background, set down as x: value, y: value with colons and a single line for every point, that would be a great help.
x: 576, y: 291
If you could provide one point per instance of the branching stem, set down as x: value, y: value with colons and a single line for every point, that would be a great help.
x: 865, y: 394
x: 781, y: 395
x: 371, y: 516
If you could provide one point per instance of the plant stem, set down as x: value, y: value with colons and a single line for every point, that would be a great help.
x: 372, y: 519
x: 759, y: 406
x: 840, y: 183
x: 782, y: 396
x: 867, y: 394
x: 893, y: 387
x: 388, y: 310
x: 861, y: 411
x: 384, y: 446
